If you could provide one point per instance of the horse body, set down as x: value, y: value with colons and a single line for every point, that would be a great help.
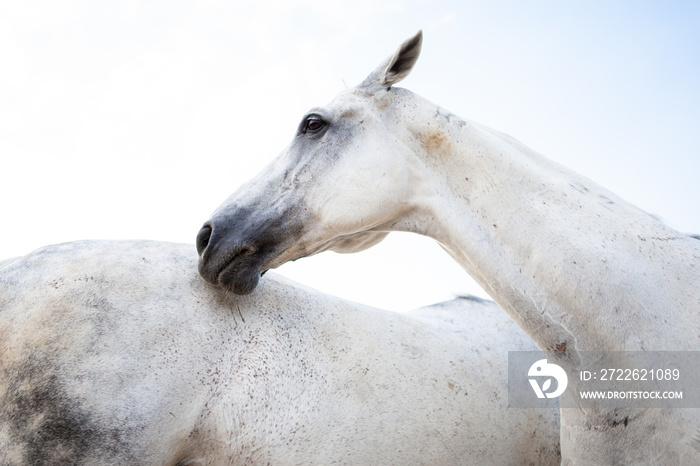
x: 575, y: 266
x: 118, y: 353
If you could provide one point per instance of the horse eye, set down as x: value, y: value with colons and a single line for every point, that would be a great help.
x: 313, y: 124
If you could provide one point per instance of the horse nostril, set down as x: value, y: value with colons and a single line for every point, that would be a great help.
x: 203, y: 238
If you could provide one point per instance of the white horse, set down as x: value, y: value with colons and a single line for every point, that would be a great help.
x: 576, y: 267
x: 118, y: 353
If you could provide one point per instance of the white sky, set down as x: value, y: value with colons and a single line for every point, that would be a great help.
x: 125, y: 119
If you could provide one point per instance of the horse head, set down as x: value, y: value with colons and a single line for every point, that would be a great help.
x: 341, y: 185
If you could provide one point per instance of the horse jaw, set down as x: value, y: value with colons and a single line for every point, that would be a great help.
x: 357, y: 242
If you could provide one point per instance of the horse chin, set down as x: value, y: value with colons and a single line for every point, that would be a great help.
x: 240, y: 280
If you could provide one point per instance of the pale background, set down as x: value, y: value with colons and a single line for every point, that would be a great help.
x: 126, y: 119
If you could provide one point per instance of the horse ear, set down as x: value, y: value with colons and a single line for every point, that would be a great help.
x: 395, y: 68
x: 401, y: 64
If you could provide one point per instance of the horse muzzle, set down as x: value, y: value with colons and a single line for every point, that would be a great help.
x: 227, y: 262
x: 237, y: 246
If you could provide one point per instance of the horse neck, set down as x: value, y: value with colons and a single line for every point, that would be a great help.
x: 575, y: 266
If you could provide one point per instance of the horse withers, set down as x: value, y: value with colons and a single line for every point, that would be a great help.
x: 118, y: 353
